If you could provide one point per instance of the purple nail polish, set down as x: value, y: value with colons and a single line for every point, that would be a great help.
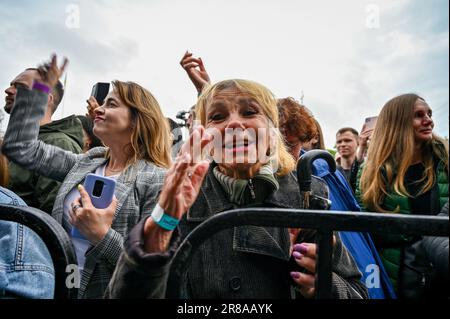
x: 295, y: 275
x: 297, y: 255
x: 302, y: 248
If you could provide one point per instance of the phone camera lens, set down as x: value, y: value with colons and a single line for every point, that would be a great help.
x: 98, y: 188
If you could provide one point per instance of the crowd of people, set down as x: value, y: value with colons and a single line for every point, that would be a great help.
x: 241, y: 151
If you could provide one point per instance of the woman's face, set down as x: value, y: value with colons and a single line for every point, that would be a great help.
x: 112, y: 122
x: 311, y: 143
x: 422, y: 122
x: 240, y: 130
x: 294, y: 145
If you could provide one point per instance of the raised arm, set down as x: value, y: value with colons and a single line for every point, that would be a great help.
x: 20, y: 143
x: 196, y: 71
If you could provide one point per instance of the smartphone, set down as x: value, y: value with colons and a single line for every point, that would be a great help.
x: 100, y: 90
x: 369, y: 123
x: 100, y: 190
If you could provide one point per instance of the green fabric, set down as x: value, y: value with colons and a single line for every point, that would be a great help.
x: 239, y: 191
x: 36, y: 190
x: 389, y: 245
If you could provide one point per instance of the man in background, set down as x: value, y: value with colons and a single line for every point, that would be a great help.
x: 67, y: 133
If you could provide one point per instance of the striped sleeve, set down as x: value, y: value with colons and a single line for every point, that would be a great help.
x: 21, y: 144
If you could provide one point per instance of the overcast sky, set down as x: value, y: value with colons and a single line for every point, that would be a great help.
x: 348, y: 57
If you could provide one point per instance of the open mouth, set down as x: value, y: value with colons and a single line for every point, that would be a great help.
x: 241, y: 146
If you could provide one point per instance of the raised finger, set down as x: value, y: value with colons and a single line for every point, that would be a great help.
x: 53, y: 63
x: 181, y: 170
x: 64, y: 65
x: 199, y: 173
x: 202, y: 66
x: 201, y: 142
x: 187, y: 54
x: 195, y: 136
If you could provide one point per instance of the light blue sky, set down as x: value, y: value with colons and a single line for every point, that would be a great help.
x: 346, y: 69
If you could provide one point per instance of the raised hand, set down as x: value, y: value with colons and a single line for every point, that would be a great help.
x: 363, y: 143
x: 196, y: 71
x: 181, y: 188
x: 184, y: 178
x: 50, y: 73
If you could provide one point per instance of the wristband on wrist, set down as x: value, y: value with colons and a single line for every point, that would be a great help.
x: 163, y: 220
x: 41, y: 87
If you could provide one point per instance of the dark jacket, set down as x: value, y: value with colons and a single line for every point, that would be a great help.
x: 241, y: 262
x: 425, y: 269
x: 353, y: 176
x: 394, y: 248
x: 436, y: 250
x: 36, y: 190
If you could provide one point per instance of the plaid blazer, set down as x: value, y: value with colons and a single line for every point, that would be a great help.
x: 137, y: 188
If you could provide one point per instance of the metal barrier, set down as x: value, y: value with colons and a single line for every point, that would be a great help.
x: 325, y: 222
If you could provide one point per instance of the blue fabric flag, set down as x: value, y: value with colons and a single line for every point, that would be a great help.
x: 359, y: 245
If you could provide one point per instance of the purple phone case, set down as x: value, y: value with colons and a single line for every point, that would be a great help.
x: 98, y: 202
x: 108, y: 190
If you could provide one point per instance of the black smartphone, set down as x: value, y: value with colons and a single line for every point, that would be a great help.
x: 100, y: 90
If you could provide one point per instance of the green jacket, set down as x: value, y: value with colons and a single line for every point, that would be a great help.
x: 390, y: 246
x: 36, y: 190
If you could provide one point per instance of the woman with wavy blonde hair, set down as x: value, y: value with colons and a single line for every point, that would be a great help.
x: 406, y: 172
x: 131, y: 125
x: 149, y: 125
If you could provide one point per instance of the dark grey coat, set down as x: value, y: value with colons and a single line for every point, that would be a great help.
x: 242, y: 262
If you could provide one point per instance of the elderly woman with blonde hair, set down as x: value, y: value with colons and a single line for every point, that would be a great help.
x: 248, y: 166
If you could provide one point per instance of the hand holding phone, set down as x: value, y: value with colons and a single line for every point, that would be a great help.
x: 369, y: 124
x: 364, y: 137
x: 101, y: 191
x: 100, y: 90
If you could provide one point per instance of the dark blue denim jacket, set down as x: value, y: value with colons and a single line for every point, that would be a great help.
x: 26, y: 267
